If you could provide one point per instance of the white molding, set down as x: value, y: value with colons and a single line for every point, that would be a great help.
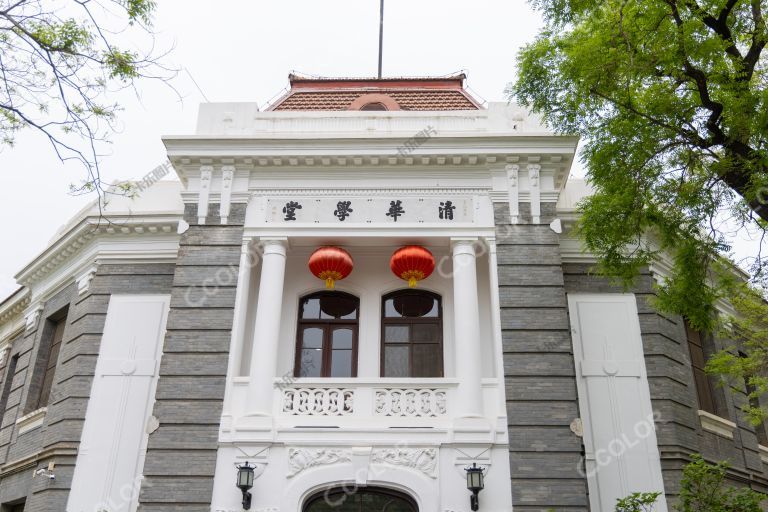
x: 300, y: 459
x: 31, y: 421
x: 363, y: 192
x: 716, y: 425
x: 423, y: 460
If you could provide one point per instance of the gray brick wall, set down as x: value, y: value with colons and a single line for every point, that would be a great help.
x: 673, y: 392
x: 545, y: 456
x: 57, y: 439
x: 181, y: 456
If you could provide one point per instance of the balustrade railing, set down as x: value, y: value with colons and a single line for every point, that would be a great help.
x: 318, y: 401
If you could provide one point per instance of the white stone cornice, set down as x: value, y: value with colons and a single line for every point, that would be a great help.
x: 14, y: 305
x: 88, y: 230
x: 150, y: 238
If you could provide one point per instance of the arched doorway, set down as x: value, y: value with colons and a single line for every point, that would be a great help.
x: 360, y: 499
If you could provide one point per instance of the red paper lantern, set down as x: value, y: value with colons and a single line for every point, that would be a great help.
x: 330, y: 264
x: 412, y: 263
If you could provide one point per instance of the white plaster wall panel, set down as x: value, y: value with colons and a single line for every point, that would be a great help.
x: 434, y: 489
x: 622, y: 456
x: 486, y: 323
x: 113, y: 446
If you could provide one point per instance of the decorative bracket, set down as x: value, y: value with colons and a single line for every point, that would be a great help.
x: 30, y: 318
x: 84, y: 280
x: 206, y: 172
x: 514, y: 192
x: 227, y: 175
x: 535, y: 194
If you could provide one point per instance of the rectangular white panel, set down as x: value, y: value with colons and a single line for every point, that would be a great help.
x: 621, y: 453
x: 113, y: 445
x: 354, y: 209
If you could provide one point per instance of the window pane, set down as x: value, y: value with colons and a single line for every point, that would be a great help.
x: 389, y: 309
x: 341, y: 363
x: 310, y: 308
x: 312, y: 337
x: 338, y: 307
x: 342, y: 338
x: 413, y: 305
x: 704, y: 392
x: 396, y: 333
x: 311, y: 362
x: 337, y: 502
x: 427, y: 360
x: 396, y: 361
x: 425, y: 332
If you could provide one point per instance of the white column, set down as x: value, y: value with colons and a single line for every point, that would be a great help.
x: 466, y: 318
x: 267, y: 328
x: 239, y: 321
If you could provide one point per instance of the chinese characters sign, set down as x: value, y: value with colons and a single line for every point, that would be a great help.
x: 366, y: 210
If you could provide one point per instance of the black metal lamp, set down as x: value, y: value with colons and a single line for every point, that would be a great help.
x: 245, y: 482
x: 475, y: 484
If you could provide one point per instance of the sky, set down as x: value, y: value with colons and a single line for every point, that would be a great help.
x: 237, y: 50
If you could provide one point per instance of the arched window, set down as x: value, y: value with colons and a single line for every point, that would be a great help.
x: 412, y: 334
x: 362, y: 499
x: 326, y: 344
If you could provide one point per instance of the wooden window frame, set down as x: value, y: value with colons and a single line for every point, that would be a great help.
x: 47, y: 359
x: 379, y: 491
x: 10, y: 374
x: 49, y: 370
x: 327, y: 325
x: 705, y: 397
x: 438, y: 320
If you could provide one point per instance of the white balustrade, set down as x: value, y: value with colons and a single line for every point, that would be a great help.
x: 378, y: 402
x: 318, y: 401
x: 411, y: 403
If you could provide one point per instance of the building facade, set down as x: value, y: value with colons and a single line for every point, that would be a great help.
x: 152, y: 350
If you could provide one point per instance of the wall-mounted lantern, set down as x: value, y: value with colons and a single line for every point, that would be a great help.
x: 475, y: 484
x: 245, y: 482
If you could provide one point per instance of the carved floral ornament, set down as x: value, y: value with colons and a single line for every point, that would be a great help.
x: 423, y: 460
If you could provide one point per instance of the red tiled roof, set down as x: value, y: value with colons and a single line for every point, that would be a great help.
x: 428, y: 94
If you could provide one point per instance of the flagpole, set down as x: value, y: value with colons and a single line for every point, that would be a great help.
x: 381, y: 34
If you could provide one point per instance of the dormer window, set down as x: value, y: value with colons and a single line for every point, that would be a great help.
x: 374, y: 101
x: 373, y: 106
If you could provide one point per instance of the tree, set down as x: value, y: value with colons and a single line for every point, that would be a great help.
x: 745, y: 364
x: 670, y: 98
x: 704, y: 488
x: 59, y: 61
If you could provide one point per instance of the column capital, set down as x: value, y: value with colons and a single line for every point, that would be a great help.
x: 274, y: 245
x: 464, y: 245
